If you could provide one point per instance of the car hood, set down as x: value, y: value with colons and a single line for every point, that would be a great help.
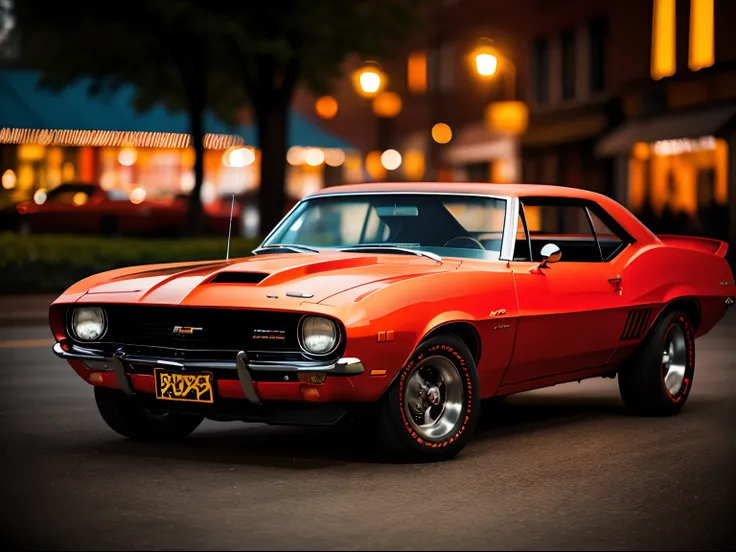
x: 274, y: 281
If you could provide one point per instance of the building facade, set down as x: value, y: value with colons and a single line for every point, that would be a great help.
x: 634, y: 99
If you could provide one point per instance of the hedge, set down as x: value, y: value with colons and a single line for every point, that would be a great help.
x: 52, y: 262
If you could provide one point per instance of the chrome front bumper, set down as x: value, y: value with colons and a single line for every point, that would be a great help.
x: 240, y: 364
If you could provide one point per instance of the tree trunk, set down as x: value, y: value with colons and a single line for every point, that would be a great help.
x: 194, y: 215
x: 272, y: 121
x: 195, y: 86
x: 195, y: 220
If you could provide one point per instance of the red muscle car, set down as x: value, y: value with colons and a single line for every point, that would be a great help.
x: 403, y: 305
x: 82, y: 207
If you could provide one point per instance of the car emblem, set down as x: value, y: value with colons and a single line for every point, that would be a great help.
x: 185, y: 330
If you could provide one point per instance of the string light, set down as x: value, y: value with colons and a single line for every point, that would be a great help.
x: 113, y: 138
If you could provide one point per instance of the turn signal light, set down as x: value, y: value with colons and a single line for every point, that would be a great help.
x: 95, y: 378
x: 315, y: 378
x: 310, y: 394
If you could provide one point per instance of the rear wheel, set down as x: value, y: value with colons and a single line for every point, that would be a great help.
x: 129, y: 418
x: 658, y: 379
x: 431, y: 410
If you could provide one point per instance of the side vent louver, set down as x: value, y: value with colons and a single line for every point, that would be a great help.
x: 238, y: 278
x: 636, y: 324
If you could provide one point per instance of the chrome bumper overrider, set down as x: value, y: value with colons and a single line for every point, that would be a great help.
x: 117, y: 363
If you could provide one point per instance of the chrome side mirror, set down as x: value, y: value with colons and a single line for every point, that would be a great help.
x: 550, y: 254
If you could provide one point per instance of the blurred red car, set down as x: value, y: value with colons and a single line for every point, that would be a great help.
x: 81, y: 207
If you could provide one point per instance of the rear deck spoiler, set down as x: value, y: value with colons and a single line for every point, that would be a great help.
x: 704, y: 245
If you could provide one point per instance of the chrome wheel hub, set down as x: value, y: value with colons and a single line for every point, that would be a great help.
x: 433, y: 397
x: 674, y: 360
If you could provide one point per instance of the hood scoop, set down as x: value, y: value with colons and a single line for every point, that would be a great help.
x: 238, y: 278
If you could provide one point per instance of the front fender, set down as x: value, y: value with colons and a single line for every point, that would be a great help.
x: 440, y: 320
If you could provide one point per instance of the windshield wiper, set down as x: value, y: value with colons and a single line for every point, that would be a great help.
x: 275, y: 247
x: 392, y: 248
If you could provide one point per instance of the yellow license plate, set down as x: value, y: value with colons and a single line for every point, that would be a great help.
x: 181, y: 386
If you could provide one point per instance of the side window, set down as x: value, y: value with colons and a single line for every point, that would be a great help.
x: 610, y: 243
x: 567, y: 226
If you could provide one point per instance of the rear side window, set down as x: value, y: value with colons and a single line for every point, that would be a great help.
x: 576, y: 227
x: 608, y: 240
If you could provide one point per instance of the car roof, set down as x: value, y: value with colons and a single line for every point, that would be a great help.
x: 622, y: 215
x: 509, y: 190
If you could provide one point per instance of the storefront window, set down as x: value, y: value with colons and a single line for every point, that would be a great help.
x: 680, y: 186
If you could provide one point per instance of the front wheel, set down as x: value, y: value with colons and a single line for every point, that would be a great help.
x: 431, y: 410
x: 129, y: 418
x: 658, y: 379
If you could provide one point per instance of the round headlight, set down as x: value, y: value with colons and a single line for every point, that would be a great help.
x: 319, y: 335
x: 89, y: 323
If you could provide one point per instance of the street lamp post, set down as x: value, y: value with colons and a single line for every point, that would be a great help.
x: 507, y: 118
x: 370, y: 82
x: 488, y: 62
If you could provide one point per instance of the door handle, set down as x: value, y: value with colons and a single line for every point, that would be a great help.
x: 616, y: 283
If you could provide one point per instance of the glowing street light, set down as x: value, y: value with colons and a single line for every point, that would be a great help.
x: 487, y: 61
x: 486, y: 64
x: 369, y: 80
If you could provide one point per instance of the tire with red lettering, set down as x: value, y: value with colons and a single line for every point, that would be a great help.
x: 128, y: 417
x: 657, y: 379
x: 431, y: 410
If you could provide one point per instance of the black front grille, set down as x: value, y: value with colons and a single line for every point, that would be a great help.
x: 200, y: 329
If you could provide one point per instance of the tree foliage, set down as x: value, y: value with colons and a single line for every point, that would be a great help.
x: 277, y: 45
x: 152, y: 44
x: 193, y: 55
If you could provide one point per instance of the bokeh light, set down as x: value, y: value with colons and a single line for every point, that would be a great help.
x: 239, y: 157
x: 9, y: 179
x: 295, y: 155
x: 387, y: 104
x: 441, y: 133
x: 414, y: 164
x: 39, y: 197
x: 127, y: 156
x: 187, y: 182
x: 334, y: 157
x: 137, y: 196
x: 314, y: 157
x: 326, y: 107
x: 374, y: 166
x: 391, y: 159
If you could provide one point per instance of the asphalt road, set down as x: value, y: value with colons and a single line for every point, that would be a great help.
x: 561, y: 468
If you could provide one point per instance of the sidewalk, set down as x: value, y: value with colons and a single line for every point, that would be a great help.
x: 25, y: 310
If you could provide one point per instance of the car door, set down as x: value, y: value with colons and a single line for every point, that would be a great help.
x: 570, y: 311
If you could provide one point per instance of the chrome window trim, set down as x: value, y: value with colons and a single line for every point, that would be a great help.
x: 507, y: 240
x: 509, y: 230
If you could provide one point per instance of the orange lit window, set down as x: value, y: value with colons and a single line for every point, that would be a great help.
x: 417, y: 72
x: 663, y: 39
x: 702, y: 52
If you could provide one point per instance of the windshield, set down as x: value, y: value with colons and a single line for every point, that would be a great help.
x: 446, y: 225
